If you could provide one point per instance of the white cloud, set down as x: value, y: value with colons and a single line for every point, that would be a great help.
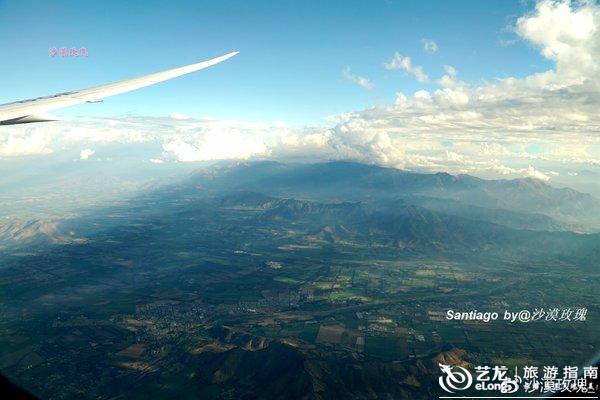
x: 217, y: 140
x: 567, y: 33
x: 429, y: 46
x: 215, y: 146
x: 405, y: 64
x: 451, y: 97
x: 157, y: 161
x: 178, y: 115
x: 449, y: 79
x: 450, y: 70
x: 86, y: 153
x: 21, y: 143
x: 506, y: 42
x: 529, y: 172
x: 557, y: 108
x: 359, y: 80
x: 534, y: 173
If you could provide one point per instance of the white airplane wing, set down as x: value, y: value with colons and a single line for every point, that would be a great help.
x: 34, y: 110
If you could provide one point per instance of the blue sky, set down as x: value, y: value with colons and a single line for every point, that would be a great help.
x: 292, y: 52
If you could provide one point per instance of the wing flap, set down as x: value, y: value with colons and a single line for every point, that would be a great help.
x: 30, y: 118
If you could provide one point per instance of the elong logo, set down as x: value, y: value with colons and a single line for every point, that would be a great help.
x: 456, y: 378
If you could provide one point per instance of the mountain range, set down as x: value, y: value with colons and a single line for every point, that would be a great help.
x: 523, y: 201
x: 361, y: 204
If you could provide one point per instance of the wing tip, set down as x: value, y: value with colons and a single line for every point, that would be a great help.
x: 222, y: 58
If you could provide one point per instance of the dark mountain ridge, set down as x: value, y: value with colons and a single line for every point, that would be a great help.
x: 303, y: 373
x: 412, y: 227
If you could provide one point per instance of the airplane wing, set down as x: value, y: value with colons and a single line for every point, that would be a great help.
x: 34, y: 110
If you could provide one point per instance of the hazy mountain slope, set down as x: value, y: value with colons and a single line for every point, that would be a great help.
x: 346, y: 181
x: 367, y: 212
x: 512, y: 219
x: 416, y: 228
x: 34, y: 232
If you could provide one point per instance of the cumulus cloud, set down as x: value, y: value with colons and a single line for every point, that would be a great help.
x: 449, y: 79
x: 178, y: 115
x: 429, y: 46
x: 557, y: 108
x: 359, y: 80
x: 86, y: 153
x: 405, y: 64
x: 567, y: 33
x: 205, y: 140
x: 26, y: 143
x: 530, y: 172
x: 215, y: 146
